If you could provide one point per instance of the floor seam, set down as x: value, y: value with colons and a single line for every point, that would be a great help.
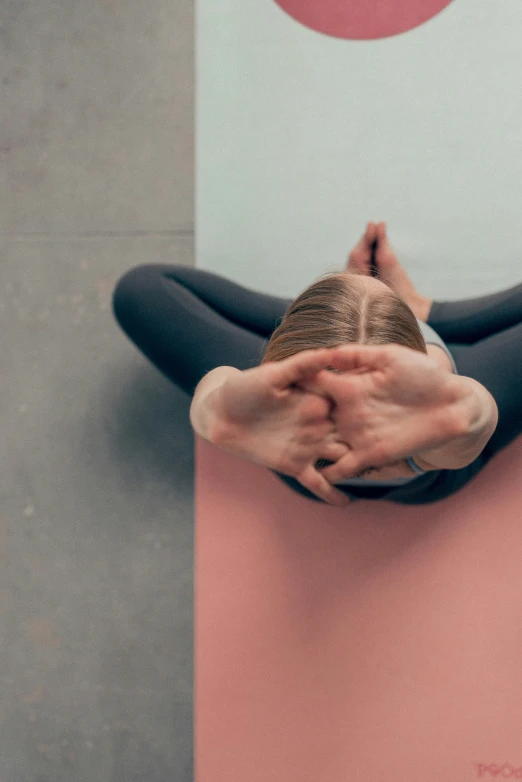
x: 21, y: 237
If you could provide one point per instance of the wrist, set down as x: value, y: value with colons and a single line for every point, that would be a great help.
x: 205, y: 414
x: 475, y: 414
x: 483, y: 411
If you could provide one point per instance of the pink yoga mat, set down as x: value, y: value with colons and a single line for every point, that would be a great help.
x: 374, y: 643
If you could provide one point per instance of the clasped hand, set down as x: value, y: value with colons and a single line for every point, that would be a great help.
x: 382, y: 404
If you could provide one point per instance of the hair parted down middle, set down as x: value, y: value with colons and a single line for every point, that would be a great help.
x: 338, y: 309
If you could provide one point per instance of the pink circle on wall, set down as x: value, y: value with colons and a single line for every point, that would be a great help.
x: 362, y: 19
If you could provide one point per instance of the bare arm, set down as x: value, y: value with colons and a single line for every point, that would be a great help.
x: 476, y: 410
x: 479, y: 413
x: 203, y: 416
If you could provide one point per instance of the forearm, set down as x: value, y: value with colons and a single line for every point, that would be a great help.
x: 480, y: 417
x: 475, y: 407
x: 204, y: 415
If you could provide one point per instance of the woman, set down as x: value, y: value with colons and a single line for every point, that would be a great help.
x: 256, y: 361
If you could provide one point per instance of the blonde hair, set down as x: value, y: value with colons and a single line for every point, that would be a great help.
x: 339, y: 308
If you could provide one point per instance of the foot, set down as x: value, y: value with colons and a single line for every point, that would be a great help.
x: 394, y: 275
x: 359, y: 260
x: 389, y: 267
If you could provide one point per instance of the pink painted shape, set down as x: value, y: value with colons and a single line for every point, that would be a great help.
x: 362, y: 19
x: 377, y: 642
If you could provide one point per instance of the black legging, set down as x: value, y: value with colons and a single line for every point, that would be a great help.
x: 189, y: 321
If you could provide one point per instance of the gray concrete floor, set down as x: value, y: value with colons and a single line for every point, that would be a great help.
x: 96, y: 518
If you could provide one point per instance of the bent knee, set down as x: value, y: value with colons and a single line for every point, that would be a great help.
x: 131, y: 288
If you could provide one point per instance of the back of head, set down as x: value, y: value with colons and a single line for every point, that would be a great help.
x: 341, y: 308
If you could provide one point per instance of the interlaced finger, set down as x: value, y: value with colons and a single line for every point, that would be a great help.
x: 316, y: 483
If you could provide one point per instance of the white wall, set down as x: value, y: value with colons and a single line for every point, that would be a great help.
x: 302, y: 138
